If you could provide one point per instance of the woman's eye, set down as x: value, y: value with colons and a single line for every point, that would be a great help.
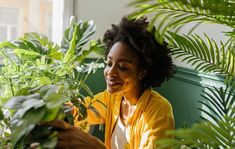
x: 123, y: 68
x: 109, y: 64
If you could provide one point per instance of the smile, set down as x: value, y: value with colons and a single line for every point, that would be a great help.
x: 112, y: 83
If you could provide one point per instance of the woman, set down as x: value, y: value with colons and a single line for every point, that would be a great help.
x: 135, y: 116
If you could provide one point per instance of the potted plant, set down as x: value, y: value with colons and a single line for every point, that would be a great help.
x: 217, y: 126
x: 38, y: 77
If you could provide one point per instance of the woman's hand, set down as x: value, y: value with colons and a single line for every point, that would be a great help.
x: 70, y: 137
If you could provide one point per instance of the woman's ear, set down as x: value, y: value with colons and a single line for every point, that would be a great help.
x: 142, y: 74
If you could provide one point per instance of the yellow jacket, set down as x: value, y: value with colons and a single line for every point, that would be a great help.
x: 153, y: 116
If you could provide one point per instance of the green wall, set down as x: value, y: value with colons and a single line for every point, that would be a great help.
x: 183, y: 91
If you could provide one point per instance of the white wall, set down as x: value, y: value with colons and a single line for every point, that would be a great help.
x: 103, y: 12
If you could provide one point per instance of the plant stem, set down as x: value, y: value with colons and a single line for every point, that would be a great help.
x: 11, y: 85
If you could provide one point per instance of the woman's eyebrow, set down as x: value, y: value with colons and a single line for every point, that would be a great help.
x: 122, y: 60
x: 125, y: 60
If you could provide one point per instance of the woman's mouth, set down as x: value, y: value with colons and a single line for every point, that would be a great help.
x: 113, y: 83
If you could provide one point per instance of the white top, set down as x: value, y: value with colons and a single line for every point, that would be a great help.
x: 119, y: 136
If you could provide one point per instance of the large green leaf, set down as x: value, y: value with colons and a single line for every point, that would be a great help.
x: 94, y: 47
x: 75, y: 37
x: 7, y: 44
x: 53, y: 105
x: 26, y: 124
x: 21, y: 101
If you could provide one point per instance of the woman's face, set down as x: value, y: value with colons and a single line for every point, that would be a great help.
x: 122, y: 73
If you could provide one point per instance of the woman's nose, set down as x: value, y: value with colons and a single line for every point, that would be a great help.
x: 112, y: 71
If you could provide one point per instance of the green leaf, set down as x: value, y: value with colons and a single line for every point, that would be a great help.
x: 21, y: 52
x: 70, y: 54
x: 26, y: 106
x: 26, y: 124
x: 23, y: 91
x: 47, y: 90
x: 16, y: 102
x: 44, y: 80
x: 53, y: 101
x: 7, y: 44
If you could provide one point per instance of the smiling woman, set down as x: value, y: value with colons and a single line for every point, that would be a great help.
x: 135, y: 115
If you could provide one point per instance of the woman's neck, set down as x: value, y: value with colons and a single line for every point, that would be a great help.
x: 132, y: 97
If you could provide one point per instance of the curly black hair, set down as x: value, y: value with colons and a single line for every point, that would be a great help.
x: 154, y: 57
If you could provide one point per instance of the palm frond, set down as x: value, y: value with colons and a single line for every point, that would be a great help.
x: 218, y: 103
x: 203, y: 135
x: 217, y: 128
x: 206, y: 57
x: 174, y: 13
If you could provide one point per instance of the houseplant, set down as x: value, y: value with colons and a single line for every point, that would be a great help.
x: 40, y: 76
x: 216, y: 128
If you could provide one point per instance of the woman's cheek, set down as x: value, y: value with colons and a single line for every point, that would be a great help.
x: 105, y: 71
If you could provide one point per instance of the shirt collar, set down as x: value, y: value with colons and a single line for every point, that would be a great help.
x: 144, y: 99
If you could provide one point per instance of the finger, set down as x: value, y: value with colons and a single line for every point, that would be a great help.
x: 64, y: 141
x: 34, y: 145
x: 61, y: 145
x: 68, y: 104
x: 72, y: 109
x: 60, y: 124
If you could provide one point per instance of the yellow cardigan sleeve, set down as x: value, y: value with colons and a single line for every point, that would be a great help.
x: 98, y: 102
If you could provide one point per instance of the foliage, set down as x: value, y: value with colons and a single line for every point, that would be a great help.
x: 217, y: 127
x: 32, y: 110
x: 173, y: 14
x: 33, y: 62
